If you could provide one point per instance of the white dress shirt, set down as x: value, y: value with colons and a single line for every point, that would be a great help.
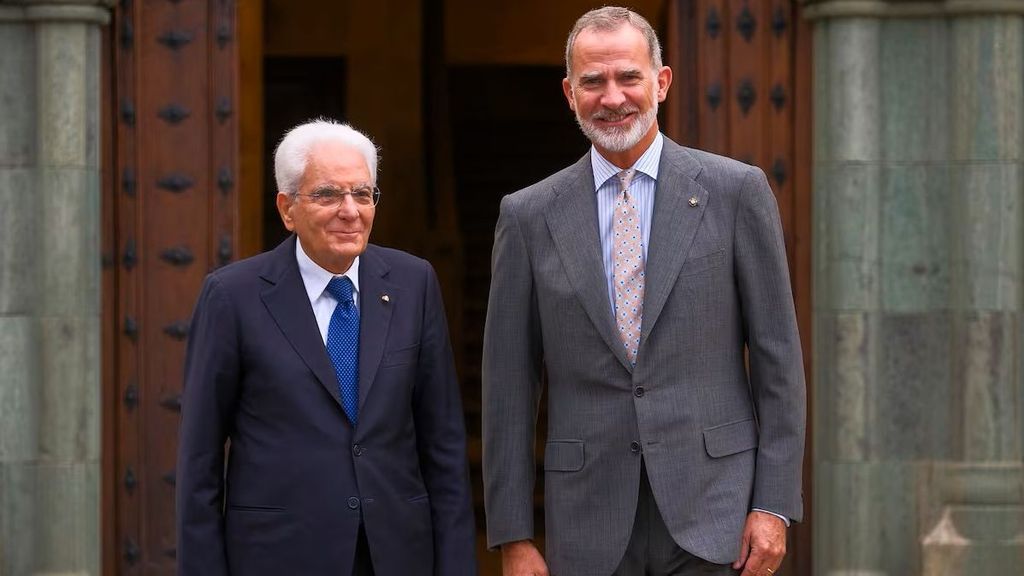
x: 315, y: 278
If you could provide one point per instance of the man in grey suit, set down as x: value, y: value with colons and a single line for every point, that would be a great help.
x: 640, y: 278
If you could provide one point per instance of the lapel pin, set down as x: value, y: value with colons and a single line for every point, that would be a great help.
x: 385, y: 298
x: 693, y: 202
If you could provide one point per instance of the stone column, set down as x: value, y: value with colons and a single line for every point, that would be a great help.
x: 919, y: 238
x: 49, y: 287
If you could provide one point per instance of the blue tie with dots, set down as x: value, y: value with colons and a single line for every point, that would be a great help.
x: 343, y: 344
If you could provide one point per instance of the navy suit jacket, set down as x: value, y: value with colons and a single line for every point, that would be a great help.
x: 298, y: 477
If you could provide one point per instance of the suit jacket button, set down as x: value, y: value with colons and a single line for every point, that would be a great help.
x: 353, y: 503
x: 357, y: 450
x: 638, y: 391
x: 634, y: 447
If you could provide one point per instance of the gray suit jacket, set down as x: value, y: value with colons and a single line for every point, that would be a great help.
x: 717, y: 438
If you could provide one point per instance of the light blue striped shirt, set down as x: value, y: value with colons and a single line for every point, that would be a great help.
x: 641, y: 188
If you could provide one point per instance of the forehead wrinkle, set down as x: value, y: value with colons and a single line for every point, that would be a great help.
x: 343, y: 187
x: 329, y: 181
x: 322, y: 174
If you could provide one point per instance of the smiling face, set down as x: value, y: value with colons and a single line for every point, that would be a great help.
x: 331, y: 236
x: 615, y: 92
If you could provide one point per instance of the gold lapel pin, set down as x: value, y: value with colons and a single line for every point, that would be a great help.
x: 693, y: 202
x: 385, y: 298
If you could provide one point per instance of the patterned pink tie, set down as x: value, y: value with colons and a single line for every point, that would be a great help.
x: 628, y: 261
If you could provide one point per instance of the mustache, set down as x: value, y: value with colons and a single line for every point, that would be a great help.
x: 616, y: 114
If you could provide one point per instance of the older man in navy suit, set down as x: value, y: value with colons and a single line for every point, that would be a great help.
x: 326, y: 365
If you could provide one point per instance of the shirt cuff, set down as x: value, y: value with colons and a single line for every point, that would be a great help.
x: 779, y: 516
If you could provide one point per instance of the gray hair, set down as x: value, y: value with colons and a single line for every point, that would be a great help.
x: 292, y: 153
x: 610, y: 19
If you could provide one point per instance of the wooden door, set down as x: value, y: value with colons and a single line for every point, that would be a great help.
x: 742, y: 89
x: 170, y: 212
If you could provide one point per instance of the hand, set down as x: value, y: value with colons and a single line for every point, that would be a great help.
x: 521, y: 558
x: 763, y: 545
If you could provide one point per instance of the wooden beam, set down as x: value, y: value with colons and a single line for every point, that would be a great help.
x: 251, y: 187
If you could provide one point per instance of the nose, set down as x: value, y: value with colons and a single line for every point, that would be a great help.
x: 347, y: 209
x: 613, y: 97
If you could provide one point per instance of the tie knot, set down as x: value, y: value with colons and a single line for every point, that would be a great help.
x: 625, y: 177
x: 341, y: 288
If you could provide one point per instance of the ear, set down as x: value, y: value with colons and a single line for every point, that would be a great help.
x: 567, y: 90
x: 664, y: 81
x: 284, y: 208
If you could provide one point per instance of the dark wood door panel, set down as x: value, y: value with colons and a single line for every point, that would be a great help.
x: 172, y: 206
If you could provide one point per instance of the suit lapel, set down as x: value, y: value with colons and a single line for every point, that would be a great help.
x: 673, y: 227
x: 572, y: 221
x: 374, y: 317
x: 288, y: 303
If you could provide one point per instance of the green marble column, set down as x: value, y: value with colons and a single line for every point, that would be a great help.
x: 49, y: 287
x: 919, y: 227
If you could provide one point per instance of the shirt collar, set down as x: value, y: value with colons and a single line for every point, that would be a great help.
x: 316, y: 277
x: 648, y: 163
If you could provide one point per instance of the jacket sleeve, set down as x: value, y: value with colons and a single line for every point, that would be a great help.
x: 441, y: 441
x: 775, y: 358
x: 211, y: 384
x: 511, y: 385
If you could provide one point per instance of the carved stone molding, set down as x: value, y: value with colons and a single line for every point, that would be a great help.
x: 95, y: 3
x: 90, y: 11
x: 818, y: 9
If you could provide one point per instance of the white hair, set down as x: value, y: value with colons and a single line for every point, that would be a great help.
x: 292, y: 153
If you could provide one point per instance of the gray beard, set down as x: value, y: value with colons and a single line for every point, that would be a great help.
x: 619, y: 139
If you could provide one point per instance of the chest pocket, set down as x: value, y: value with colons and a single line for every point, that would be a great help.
x: 694, y: 265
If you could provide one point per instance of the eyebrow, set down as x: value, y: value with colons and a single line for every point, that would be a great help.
x: 625, y: 72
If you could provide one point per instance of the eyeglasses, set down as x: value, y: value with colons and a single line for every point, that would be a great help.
x: 333, y: 197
